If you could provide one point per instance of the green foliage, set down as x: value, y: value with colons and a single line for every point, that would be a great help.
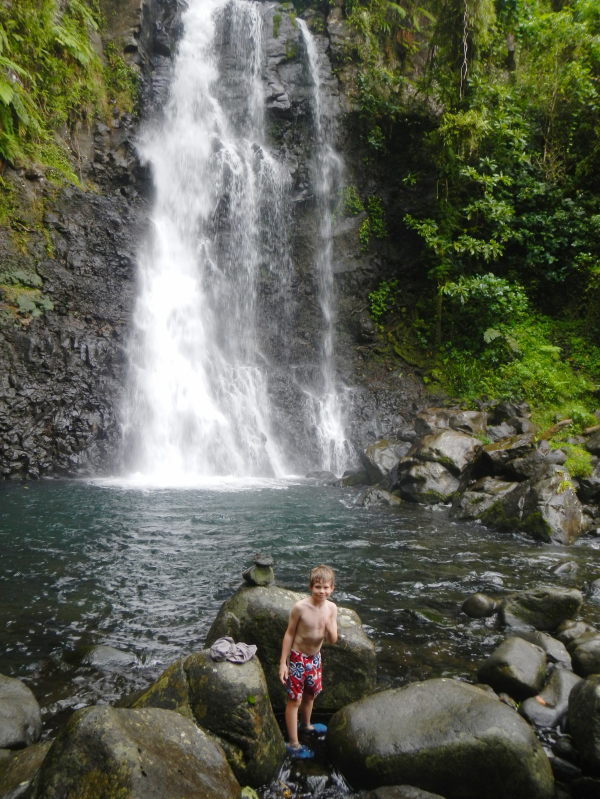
x: 382, y: 300
x: 52, y: 79
x: 353, y: 205
x: 276, y: 25
x: 503, y: 192
x: 120, y: 79
x: 374, y: 226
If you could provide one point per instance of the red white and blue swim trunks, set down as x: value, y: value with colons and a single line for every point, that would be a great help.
x: 304, y: 675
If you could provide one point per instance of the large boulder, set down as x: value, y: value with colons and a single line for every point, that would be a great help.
x: 547, y: 509
x: 452, y: 449
x: 17, y: 771
x: 443, y: 736
x: 475, y: 500
x: 20, y: 717
x: 259, y: 615
x: 431, y: 420
x: 381, y: 457
x: 583, y: 721
x: 231, y: 701
x: 494, y: 459
x: 515, y: 667
x: 424, y: 482
x: 139, y: 754
x: 543, y: 608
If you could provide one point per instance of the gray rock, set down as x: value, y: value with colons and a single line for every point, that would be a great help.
x: 475, y: 500
x: 493, y: 458
x: 546, y: 509
x: 432, y: 420
x: 592, y: 444
x: 229, y: 700
x: 442, y: 736
x: 260, y: 615
x: 107, y: 657
x: 594, y: 590
x: 543, y: 608
x: 140, y: 754
x: 583, y: 720
x: 20, y: 768
x: 555, y: 650
x: 451, y: 448
x: 479, y: 606
x: 20, y: 717
x: 381, y: 458
x: 378, y: 496
x: 586, y: 655
x: 429, y: 483
x: 569, y: 631
x: 589, y: 487
x: 555, y: 700
x: 516, y: 667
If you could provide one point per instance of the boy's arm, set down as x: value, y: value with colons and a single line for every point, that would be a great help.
x: 331, y: 632
x: 288, y: 640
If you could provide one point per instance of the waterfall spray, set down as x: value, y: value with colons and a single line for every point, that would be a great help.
x: 326, y: 402
x: 199, y: 404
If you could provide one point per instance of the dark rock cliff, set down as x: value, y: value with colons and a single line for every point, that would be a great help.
x: 63, y: 372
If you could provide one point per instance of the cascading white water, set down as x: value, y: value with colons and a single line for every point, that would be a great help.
x: 326, y: 401
x: 199, y: 403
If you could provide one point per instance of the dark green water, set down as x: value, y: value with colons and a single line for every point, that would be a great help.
x: 146, y: 571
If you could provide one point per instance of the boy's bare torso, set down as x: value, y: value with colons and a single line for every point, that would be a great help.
x: 311, y: 629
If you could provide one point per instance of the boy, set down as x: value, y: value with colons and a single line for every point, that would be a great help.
x: 312, y: 621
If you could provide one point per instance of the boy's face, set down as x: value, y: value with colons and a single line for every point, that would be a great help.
x: 321, y: 590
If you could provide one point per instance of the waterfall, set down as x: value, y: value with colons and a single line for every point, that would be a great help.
x: 199, y: 403
x: 326, y: 402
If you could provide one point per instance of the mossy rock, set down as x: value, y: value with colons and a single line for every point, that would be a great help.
x: 119, y: 753
x: 444, y: 736
x: 229, y: 700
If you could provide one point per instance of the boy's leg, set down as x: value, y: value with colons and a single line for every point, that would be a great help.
x: 306, y: 709
x: 291, y: 720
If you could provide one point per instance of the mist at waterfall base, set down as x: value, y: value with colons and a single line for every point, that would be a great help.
x: 146, y: 571
x: 215, y: 389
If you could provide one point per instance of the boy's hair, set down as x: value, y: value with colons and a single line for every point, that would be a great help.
x: 323, y: 574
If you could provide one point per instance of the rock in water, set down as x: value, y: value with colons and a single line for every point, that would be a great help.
x: 515, y: 666
x: 443, y: 736
x: 138, y: 754
x: 20, y: 717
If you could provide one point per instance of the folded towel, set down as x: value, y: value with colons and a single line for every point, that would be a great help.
x: 226, y: 649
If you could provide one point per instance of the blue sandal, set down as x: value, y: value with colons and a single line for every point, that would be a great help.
x: 317, y: 729
x: 299, y: 752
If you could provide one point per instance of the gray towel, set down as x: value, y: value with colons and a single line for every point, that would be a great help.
x: 226, y: 649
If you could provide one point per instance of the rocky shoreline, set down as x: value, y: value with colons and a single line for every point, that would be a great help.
x: 206, y: 727
x: 489, y: 465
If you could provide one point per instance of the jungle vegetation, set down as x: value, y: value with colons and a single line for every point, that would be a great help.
x: 483, y: 117
x: 487, y: 114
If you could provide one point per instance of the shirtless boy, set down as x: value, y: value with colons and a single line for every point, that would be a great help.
x: 312, y: 621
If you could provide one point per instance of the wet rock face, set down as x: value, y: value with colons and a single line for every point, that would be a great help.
x: 62, y: 373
